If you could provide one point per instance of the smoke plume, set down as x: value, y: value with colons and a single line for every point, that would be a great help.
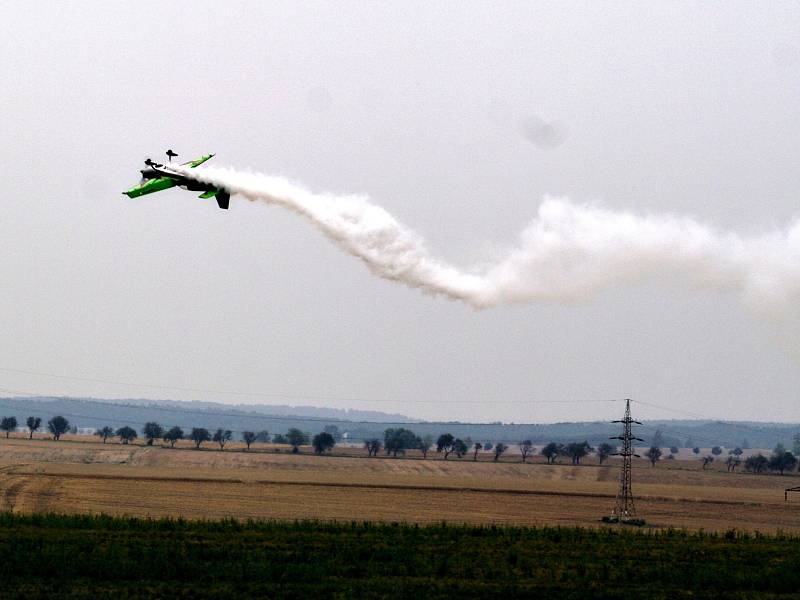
x: 566, y: 254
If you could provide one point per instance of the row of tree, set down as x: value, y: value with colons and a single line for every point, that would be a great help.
x: 781, y: 460
x: 57, y: 426
x: 152, y: 431
x: 398, y: 440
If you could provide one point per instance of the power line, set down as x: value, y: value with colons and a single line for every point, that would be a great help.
x: 252, y: 415
x: 191, y: 389
x: 274, y: 395
x: 124, y: 421
x: 676, y: 410
x: 336, y: 398
x: 312, y: 419
x: 291, y: 396
x: 676, y: 430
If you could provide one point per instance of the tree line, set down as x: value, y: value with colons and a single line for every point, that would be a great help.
x: 396, y: 441
x: 152, y: 432
x: 780, y: 461
x: 399, y: 440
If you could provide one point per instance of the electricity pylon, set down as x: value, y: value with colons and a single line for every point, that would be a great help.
x: 624, y: 508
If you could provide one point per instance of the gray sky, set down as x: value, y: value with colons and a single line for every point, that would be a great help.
x: 457, y: 118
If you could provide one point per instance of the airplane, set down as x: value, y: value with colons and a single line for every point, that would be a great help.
x: 157, y: 177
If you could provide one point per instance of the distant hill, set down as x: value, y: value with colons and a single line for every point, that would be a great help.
x: 93, y: 412
x: 359, y: 424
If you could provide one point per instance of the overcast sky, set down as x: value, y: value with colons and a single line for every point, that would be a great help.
x: 457, y: 118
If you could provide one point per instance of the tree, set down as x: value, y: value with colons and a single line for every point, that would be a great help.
x: 126, y: 434
x: 525, y: 449
x: 222, y: 437
x: 262, y: 437
x: 152, y: 431
x: 737, y: 451
x: 460, y: 447
x: 424, y: 444
x: 674, y: 449
x: 373, y: 446
x: 397, y: 441
x: 716, y: 451
x: 33, y: 423
x: 696, y: 450
x: 58, y: 426
x: 248, y: 437
x: 445, y: 444
x: 8, y: 424
x: 105, y: 433
x: 477, y: 448
x: 756, y: 463
x: 551, y: 452
x: 279, y: 438
x: 499, y: 449
x: 199, y: 435
x: 488, y: 446
x: 732, y: 462
x: 323, y: 442
x: 707, y: 460
x: 296, y: 438
x: 173, y: 435
x: 796, y: 444
x: 785, y: 461
x: 604, y: 450
x: 577, y: 450
x: 653, y: 454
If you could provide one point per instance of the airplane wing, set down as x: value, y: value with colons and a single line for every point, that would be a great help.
x: 198, y: 161
x: 148, y: 187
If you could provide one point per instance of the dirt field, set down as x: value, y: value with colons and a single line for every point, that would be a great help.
x: 90, y: 477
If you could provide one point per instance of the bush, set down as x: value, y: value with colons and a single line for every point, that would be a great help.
x: 756, y: 463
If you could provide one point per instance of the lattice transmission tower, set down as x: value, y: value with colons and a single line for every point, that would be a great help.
x: 624, y: 507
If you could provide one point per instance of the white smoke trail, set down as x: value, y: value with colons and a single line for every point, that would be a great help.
x: 566, y: 254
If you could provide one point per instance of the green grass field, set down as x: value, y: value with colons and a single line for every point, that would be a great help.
x: 80, y: 556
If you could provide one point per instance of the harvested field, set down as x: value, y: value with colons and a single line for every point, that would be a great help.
x: 90, y: 477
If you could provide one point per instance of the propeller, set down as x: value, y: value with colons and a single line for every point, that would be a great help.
x: 142, y: 178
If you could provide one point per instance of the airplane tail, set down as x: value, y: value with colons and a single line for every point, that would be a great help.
x: 223, y: 198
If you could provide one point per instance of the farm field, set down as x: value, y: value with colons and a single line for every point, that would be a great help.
x: 90, y: 557
x: 88, y: 477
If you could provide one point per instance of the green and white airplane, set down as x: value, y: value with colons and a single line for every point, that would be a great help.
x: 157, y: 177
